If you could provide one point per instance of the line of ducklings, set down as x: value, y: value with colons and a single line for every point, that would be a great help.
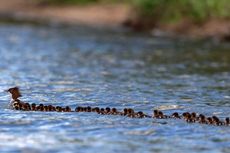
x: 129, y: 112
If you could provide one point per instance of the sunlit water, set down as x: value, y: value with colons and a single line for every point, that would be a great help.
x: 78, y: 66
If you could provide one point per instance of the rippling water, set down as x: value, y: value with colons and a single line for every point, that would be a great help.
x: 77, y: 66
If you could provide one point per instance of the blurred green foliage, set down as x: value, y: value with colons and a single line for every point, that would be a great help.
x: 174, y: 10
x: 166, y: 10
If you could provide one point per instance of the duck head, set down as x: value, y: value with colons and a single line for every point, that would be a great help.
x: 14, y: 92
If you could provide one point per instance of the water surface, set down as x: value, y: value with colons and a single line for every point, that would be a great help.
x: 77, y: 66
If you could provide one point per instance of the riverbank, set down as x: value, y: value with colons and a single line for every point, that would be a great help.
x: 107, y: 16
x: 90, y: 15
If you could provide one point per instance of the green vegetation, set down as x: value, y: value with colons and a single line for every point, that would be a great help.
x: 152, y: 11
x: 174, y: 10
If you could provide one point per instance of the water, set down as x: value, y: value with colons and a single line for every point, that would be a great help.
x: 77, y: 66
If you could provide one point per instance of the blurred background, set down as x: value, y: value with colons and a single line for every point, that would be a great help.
x: 207, y: 18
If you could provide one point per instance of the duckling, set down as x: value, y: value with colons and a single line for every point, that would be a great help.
x: 28, y: 108
x: 89, y: 109
x: 194, y: 117
x: 140, y: 114
x: 114, y: 111
x: 50, y: 108
x: 15, y: 104
x: 102, y: 111
x: 45, y: 108
x: 67, y: 109
x: 84, y: 109
x: 33, y: 107
x: 16, y: 108
x: 78, y: 109
x: 185, y: 115
x: 175, y: 115
x: 59, y: 109
x: 63, y: 109
x: 189, y: 118
x: 38, y: 108
x: 81, y: 109
x: 97, y: 110
x: 227, y: 122
x: 155, y: 113
x: 23, y: 107
x: 209, y: 120
x: 131, y: 113
x: 53, y: 108
x: 161, y: 115
x: 202, y: 119
x: 216, y: 120
x: 107, y: 110
x: 125, y: 111
x: 41, y: 107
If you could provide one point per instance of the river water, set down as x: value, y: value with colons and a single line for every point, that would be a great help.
x: 85, y: 67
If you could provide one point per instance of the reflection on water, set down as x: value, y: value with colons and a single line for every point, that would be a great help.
x: 82, y: 67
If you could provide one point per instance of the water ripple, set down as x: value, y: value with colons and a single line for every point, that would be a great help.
x: 77, y: 66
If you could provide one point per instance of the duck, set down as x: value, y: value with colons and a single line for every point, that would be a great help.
x: 15, y: 94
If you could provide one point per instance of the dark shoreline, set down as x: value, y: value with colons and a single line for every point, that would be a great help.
x: 85, y: 16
